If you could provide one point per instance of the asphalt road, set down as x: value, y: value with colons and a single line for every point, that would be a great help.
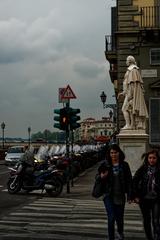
x: 8, y: 201
x: 75, y: 215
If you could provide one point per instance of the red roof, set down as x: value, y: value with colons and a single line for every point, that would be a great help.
x: 102, y: 138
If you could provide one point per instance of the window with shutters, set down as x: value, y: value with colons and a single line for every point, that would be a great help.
x: 155, y: 56
x: 154, y: 121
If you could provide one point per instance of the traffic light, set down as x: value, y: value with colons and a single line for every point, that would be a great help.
x: 57, y: 118
x: 73, y: 118
x: 67, y: 117
x: 62, y: 118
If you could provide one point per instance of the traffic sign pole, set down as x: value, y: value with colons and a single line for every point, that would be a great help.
x: 68, y: 153
x: 72, y: 142
x: 65, y: 94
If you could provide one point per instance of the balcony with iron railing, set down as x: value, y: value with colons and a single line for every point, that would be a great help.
x: 150, y: 17
x: 111, y: 56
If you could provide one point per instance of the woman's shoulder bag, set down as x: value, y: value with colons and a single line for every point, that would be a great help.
x: 97, y: 190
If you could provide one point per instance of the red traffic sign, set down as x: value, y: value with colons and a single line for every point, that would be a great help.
x: 68, y: 93
x: 60, y: 94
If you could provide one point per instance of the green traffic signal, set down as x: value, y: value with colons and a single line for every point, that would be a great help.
x: 73, y: 118
x: 74, y: 111
x: 57, y: 118
x: 58, y: 111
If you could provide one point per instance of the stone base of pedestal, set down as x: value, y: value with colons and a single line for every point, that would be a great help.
x: 134, y: 143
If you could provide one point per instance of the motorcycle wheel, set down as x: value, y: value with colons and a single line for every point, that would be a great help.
x: 13, y: 185
x: 58, y: 187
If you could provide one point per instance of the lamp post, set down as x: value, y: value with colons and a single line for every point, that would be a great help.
x: 29, y: 136
x: 3, y: 127
x: 46, y: 135
x: 112, y: 112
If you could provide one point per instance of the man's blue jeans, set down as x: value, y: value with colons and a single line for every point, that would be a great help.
x: 115, y: 213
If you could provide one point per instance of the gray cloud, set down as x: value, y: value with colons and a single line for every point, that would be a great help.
x: 20, y: 41
x: 47, y: 47
x: 87, y: 68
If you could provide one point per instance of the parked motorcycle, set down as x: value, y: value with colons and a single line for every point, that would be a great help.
x: 25, y: 177
x: 66, y: 166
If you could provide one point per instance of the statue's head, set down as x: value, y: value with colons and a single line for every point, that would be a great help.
x: 130, y: 60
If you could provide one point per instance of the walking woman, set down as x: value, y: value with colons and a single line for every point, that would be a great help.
x: 115, y: 175
x: 146, y: 192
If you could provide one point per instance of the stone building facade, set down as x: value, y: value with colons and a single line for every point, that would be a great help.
x: 136, y: 31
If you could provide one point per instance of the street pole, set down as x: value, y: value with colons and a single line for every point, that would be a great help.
x: 29, y: 136
x: 3, y: 127
x: 72, y: 142
x: 67, y: 151
x: 65, y: 95
x: 46, y: 135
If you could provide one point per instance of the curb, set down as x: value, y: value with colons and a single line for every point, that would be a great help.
x: 2, y: 162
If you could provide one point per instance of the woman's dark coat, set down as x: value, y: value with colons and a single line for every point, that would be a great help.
x: 140, y: 181
x: 106, y: 185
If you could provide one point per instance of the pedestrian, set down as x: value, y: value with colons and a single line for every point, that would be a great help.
x: 115, y: 177
x: 146, y: 192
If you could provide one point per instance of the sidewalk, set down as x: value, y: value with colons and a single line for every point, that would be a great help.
x: 82, y: 190
x: 82, y: 185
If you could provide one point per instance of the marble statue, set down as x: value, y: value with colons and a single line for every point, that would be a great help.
x: 134, y: 107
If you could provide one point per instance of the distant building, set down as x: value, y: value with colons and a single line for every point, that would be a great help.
x: 94, y: 130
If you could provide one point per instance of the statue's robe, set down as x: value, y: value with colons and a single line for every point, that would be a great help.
x: 135, y: 84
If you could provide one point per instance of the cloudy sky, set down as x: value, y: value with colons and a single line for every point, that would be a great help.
x: 46, y: 45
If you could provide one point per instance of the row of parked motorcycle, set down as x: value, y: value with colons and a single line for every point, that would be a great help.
x: 50, y: 168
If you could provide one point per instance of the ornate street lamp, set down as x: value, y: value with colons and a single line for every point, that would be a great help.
x: 113, y: 113
x: 46, y: 135
x: 3, y: 127
x: 103, y: 97
x: 29, y: 136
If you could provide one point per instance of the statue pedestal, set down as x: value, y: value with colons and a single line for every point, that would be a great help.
x: 134, y: 143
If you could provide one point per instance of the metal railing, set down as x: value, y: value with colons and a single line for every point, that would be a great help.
x: 150, y: 17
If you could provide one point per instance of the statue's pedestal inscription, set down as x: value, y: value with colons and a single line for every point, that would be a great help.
x: 134, y: 144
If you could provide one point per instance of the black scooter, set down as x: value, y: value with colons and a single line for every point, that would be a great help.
x: 25, y: 177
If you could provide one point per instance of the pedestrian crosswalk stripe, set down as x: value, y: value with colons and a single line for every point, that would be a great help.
x: 67, y: 219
